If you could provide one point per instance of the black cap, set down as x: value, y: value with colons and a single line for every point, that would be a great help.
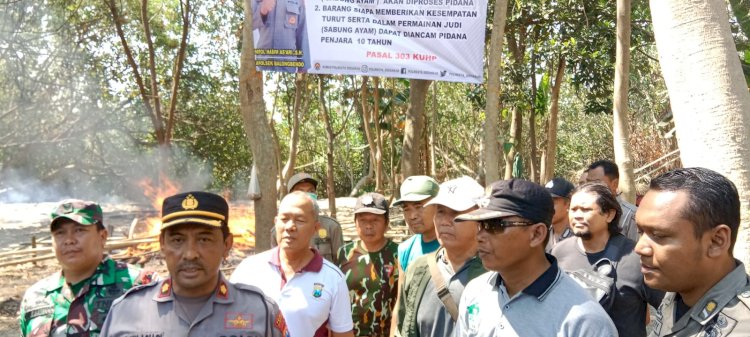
x: 371, y: 203
x: 559, y: 188
x: 194, y: 207
x: 514, y: 197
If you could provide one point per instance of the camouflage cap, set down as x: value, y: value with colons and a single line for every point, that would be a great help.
x: 80, y: 211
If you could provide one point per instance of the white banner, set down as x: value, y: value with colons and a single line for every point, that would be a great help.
x: 421, y: 39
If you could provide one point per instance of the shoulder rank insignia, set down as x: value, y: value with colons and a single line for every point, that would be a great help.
x: 222, y: 291
x: 166, y: 289
x: 708, y: 309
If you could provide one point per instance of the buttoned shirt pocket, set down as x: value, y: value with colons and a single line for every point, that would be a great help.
x: 293, y: 10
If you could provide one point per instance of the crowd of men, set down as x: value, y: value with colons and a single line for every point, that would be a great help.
x: 513, y: 258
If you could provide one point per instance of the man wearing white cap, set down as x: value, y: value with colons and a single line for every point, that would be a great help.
x: 434, y: 282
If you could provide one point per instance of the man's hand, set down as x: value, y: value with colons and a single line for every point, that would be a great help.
x: 266, y: 6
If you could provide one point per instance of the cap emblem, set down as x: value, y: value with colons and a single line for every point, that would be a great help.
x: 452, y: 189
x: 322, y: 233
x: 190, y: 202
x: 483, y: 202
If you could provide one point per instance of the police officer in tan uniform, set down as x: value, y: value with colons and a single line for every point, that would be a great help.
x: 689, y: 219
x: 196, y: 300
x: 329, y: 238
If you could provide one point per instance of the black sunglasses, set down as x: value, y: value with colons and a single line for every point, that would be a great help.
x: 497, y: 225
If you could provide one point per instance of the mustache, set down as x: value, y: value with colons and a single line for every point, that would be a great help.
x: 190, y: 265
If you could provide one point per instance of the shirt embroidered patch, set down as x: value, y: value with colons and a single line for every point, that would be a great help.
x: 317, y: 290
x: 238, y: 320
x: 280, y: 324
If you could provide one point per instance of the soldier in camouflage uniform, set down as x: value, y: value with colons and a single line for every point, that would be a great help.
x: 76, y: 300
x: 371, y: 268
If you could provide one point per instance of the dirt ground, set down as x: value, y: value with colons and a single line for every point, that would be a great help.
x: 19, y: 222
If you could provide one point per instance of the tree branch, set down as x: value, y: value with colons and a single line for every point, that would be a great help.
x: 185, y: 13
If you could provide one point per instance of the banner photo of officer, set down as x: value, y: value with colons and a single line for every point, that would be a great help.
x: 420, y: 39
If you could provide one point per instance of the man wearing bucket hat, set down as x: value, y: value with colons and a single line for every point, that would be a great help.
x: 76, y: 300
x: 434, y: 283
x: 328, y: 238
x: 371, y: 268
x: 523, y: 281
x: 196, y: 299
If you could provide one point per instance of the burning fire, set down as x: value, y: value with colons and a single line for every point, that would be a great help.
x: 241, y: 217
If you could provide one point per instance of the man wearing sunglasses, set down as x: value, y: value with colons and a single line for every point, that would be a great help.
x: 514, y: 218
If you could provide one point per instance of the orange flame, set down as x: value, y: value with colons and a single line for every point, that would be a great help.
x: 241, y: 217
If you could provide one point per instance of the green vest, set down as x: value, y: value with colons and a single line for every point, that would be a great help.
x: 415, y: 282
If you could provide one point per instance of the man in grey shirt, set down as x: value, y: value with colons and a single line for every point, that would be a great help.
x: 607, y: 173
x: 525, y: 293
x: 689, y: 219
x: 599, y: 249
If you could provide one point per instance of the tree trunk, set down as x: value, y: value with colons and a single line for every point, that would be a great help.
x: 516, y: 125
x: 259, y: 132
x: 708, y: 93
x: 492, y: 147
x: 300, y: 91
x: 620, y: 127
x: 410, y: 156
x: 330, y: 188
x: 378, y: 136
x: 533, y: 160
x: 433, y: 124
x: 551, y: 152
x: 364, y: 112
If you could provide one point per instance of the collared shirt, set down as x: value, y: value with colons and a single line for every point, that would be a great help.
x: 315, y: 298
x: 722, y: 311
x: 372, y: 279
x: 413, y: 248
x: 630, y: 295
x: 554, y: 238
x: 231, y: 310
x: 552, y: 305
x: 627, y: 220
x: 283, y: 28
x: 51, y: 307
x: 433, y: 319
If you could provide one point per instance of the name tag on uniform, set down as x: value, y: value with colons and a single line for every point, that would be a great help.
x: 46, y: 310
x: 147, y: 334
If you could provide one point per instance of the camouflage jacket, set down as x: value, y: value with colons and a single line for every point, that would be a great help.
x: 50, y: 308
x: 372, y: 279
